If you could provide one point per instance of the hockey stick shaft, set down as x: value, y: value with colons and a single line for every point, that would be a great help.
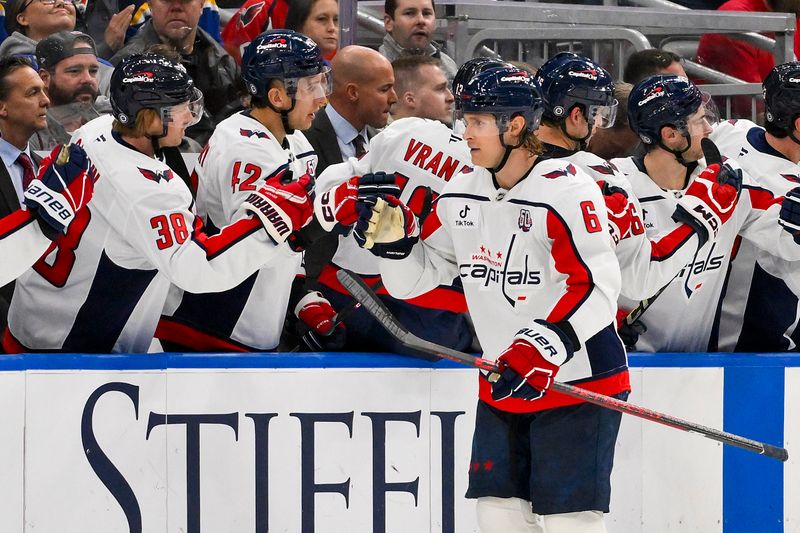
x: 362, y: 293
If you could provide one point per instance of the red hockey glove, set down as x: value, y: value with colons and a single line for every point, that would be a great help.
x: 61, y: 189
x: 317, y: 325
x: 530, y: 364
x: 620, y: 214
x: 710, y: 200
x: 790, y: 213
x: 282, y: 207
x: 337, y: 207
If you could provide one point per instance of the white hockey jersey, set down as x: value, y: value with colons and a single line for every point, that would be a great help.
x: 422, y: 154
x: 682, y: 318
x: 759, y: 311
x: 240, y: 155
x: 21, y: 244
x: 647, y: 262
x: 538, y: 251
x: 103, y: 287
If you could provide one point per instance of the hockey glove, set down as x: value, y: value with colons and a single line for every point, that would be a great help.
x: 620, y: 216
x: 629, y: 333
x: 317, y: 323
x: 378, y: 184
x: 530, y: 364
x: 61, y: 189
x: 710, y: 200
x: 336, y: 209
x: 790, y: 213
x: 282, y: 207
x: 386, y: 227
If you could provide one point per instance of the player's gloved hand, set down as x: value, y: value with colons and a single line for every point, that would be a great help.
x: 629, y: 333
x: 790, y: 213
x: 620, y: 216
x: 530, y: 364
x: 710, y: 200
x: 282, y: 207
x: 378, y: 184
x: 61, y: 189
x: 386, y: 227
x: 336, y: 209
x: 317, y: 323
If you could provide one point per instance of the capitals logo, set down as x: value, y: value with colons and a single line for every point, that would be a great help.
x: 569, y: 170
x: 248, y: 15
x: 791, y: 177
x: 606, y: 168
x: 492, y: 269
x: 152, y: 175
x: 525, y: 221
x: 251, y: 133
x: 696, y: 268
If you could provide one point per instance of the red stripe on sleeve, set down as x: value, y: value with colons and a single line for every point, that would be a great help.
x: 229, y: 236
x: 762, y: 199
x: 14, y: 222
x: 567, y: 261
x: 432, y: 223
x: 669, y: 243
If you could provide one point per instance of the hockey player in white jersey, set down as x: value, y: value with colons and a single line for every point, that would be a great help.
x: 103, y: 287
x: 413, y: 159
x: 288, y: 82
x: 528, y: 238
x: 667, y: 114
x: 759, y: 311
x: 61, y: 189
x: 578, y: 97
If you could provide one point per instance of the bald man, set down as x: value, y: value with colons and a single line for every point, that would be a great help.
x: 363, y: 93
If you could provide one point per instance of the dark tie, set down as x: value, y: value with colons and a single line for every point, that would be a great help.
x: 360, y: 145
x: 28, y: 173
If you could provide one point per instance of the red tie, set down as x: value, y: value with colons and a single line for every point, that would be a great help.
x: 27, y: 169
x: 360, y: 146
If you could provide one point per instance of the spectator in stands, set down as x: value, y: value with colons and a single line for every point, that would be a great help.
x: 68, y: 66
x: 175, y: 23
x: 422, y: 89
x: 107, y: 24
x: 646, y: 63
x: 618, y: 140
x: 409, y: 30
x: 29, y: 21
x: 23, y: 106
x: 318, y: 19
x: 737, y: 58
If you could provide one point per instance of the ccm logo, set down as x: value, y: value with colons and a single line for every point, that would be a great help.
x: 712, y: 220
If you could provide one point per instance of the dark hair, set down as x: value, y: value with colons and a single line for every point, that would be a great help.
x: 7, y: 67
x: 298, y: 12
x: 645, y: 63
x: 390, y: 6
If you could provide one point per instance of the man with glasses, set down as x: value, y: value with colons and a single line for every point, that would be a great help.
x: 288, y: 82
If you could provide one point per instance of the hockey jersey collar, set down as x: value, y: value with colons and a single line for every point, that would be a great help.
x: 757, y: 137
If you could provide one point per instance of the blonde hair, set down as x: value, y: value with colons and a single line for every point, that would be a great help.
x: 144, y: 119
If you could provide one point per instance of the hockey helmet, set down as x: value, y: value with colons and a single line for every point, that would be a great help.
x: 470, y: 69
x: 152, y: 81
x: 567, y: 80
x: 505, y: 92
x: 660, y: 101
x: 287, y: 56
x: 782, y: 95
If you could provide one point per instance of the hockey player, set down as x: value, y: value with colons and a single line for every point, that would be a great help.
x: 421, y: 155
x: 578, y: 97
x: 103, y: 287
x: 759, y: 311
x: 527, y: 237
x: 667, y: 114
x: 288, y: 82
x: 61, y: 189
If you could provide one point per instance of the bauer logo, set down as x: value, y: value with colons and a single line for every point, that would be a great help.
x: 491, y: 268
x: 143, y: 77
x: 656, y: 92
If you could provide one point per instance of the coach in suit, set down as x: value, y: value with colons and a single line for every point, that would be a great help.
x: 23, y: 111
x: 363, y: 93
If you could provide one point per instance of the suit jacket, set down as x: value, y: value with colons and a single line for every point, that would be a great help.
x: 9, y: 202
x: 323, y: 138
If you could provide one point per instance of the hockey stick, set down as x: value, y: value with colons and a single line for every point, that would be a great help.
x: 713, y: 157
x: 373, y: 305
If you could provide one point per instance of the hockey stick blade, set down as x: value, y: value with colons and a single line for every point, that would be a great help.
x: 371, y: 303
x: 710, y: 152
